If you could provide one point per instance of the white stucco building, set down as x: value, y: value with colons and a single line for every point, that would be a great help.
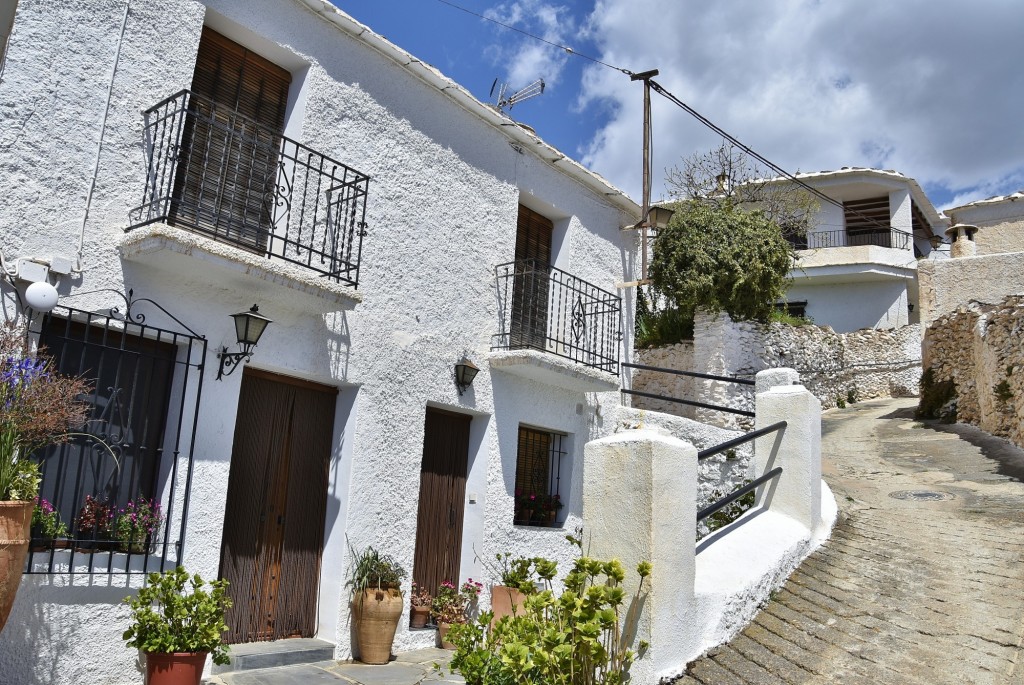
x: 198, y: 158
x: 858, y: 265
x: 999, y: 221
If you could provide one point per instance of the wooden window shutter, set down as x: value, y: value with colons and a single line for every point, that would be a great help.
x: 533, y: 236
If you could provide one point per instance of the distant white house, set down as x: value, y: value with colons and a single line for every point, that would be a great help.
x: 857, y: 267
x: 167, y: 164
x: 999, y: 221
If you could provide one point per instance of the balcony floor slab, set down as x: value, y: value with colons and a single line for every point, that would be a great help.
x: 552, y: 370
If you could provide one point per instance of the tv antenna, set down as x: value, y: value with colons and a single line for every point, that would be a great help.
x: 506, y: 101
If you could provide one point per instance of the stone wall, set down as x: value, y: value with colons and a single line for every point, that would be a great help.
x: 978, y: 347
x: 869, y: 363
x: 947, y: 284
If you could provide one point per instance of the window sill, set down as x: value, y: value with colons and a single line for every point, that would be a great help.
x: 191, y: 257
x: 94, y: 563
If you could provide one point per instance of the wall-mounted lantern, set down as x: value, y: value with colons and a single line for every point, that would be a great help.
x: 465, y: 372
x: 249, y: 326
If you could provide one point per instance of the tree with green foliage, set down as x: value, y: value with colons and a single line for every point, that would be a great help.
x: 721, y: 258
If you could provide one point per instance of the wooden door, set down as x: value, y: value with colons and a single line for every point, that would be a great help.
x: 532, y: 280
x: 276, y: 504
x: 228, y: 166
x: 442, y: 498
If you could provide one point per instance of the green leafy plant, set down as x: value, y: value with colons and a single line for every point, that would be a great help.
x: 840, y: 402
x: 95, y: 518
x: 783, y: 316
x: 420, y: 596
x: 575, y: 638
x: 938, y: 398
x: 1002, y: 391
x: 728, y: 513
x: 174, y: 613
x: 373, y: 570
x: 851, y: 396
x: 513, y: 571
x: 134, y: 525
x: 654, y: 327
x: 47, y: 522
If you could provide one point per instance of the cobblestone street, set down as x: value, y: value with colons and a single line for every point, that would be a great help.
x: 922, y: 580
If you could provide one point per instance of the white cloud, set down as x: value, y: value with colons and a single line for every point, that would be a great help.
x: 524, y: 60
x: 931, y: 88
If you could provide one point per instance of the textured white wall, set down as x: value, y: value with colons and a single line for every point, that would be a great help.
x: 850, y: 306
x: 441, y: 214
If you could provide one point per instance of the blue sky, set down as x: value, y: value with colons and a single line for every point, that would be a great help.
x: 930, y: 88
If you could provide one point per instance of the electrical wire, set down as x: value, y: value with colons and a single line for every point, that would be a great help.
x: 661, y: 90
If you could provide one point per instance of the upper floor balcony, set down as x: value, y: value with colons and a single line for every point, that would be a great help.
x: 216, y: 173
x: 547, y: 310
x: 892, y: 238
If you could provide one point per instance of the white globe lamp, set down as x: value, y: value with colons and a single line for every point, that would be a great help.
x: 41, y: 296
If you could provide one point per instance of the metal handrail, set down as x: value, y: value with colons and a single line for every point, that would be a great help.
x: 736, y: 494
x: 694, y: 374
x: 734, y: 442
x: 691, y: 403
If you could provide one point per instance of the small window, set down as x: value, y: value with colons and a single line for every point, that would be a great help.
x: 538, y: 477
x: 795, y: 309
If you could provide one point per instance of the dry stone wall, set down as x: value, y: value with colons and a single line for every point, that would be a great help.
x: 867, y: 363
x: 978, y: 347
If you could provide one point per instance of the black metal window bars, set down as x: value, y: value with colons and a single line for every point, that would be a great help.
x: 749, y: 487
x: 547, y: 309
x: 133, y: 456
x: 213, y: 171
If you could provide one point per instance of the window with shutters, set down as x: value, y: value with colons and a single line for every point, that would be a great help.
x: 229, y: 159
x: 539, y: 457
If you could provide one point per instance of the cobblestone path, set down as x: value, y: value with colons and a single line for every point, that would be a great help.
x: 921, y: 590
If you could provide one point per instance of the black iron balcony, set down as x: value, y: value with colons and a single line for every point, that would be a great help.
x: 215, y: 172
x: 544, y: 308
x: 883, y: 237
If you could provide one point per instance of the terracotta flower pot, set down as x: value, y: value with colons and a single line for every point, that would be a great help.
x: 418, y: 617
x: 506, y: 601
x: 15, y: 523
x: 376, y: 614
x: 174, y: 668
x: 442, y: 634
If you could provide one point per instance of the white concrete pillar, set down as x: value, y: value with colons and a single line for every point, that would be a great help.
x: 901, y: 215
x: 771, y: 378
x: 639, y: 504
x: 796, y: 448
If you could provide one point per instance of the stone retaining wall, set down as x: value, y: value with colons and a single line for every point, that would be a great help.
x: 867, y: 363
x: 979, y: 348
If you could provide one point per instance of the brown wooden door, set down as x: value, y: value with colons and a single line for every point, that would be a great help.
x: 230, y: 157
x: 532, y: 280
x: 442, y: 498
x: 276, y: 504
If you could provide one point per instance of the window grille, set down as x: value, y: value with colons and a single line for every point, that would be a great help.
x: 136, y: 444
x: 538, y: 477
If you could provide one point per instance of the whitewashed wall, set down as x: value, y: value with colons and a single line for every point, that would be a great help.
x: 441, y: 214
x: 850, y: 306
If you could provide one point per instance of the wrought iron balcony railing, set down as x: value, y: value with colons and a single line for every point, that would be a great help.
x: 882, y: 237
x: 225, y: 176
x: 544, y: 308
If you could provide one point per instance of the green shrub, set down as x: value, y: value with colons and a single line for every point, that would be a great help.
x: 1002, y: 391
x: 665, y: 327
x: 851, y: 396
x: 938, y: 398
x: 782, y: 316
x: 729, y: 513
x: 570, y: 639
x: 167, y: 618
x: 840, y: 402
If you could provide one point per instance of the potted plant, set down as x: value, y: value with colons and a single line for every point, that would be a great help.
x: 93, y: 524
x: 452, y: 606
x: 515, y: 576
x: 136, y: 524
x: 176, y: 623
x: 37, y: 408
x: 48, y: 530
x: 377, y: 603
x: 419, y: 602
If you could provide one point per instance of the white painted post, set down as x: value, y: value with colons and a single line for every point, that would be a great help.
x: 796, y: 448
x: 639, y: 504
x: 770, y: 378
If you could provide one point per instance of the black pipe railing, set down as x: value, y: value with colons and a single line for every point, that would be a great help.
x: 737, y: 441
x: 694, y: 374
x: 547, y: 309
x: 223, y: 175
x: 691, y: 403
x: 737, y: 493
x: 883, y: 237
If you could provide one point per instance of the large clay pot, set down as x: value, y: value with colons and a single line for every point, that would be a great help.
x: 15, y: 524
x: 376, y: 613
x: 174, y: 668
x: 442, y: 634
x: 503, y: 600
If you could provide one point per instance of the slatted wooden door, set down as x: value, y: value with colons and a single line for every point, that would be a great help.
x: 530, y: 289
x: 229, y: 160
x: 442, y: 498
x: 276, y: 504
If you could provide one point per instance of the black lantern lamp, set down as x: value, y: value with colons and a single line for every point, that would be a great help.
x: 658, y: 217
x: 465, y: 372
x: 249, y: 326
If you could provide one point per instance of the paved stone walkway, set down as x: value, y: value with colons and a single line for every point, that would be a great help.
x: 410, y: 668
x: 906, y: 590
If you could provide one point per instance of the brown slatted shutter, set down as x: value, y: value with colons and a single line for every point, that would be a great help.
x: 230, y: 150
x: 533, y: 462
x: 532, y: 281
x: 868, y: 221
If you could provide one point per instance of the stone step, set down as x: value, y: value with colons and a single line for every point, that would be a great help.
x: 255, y: 655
